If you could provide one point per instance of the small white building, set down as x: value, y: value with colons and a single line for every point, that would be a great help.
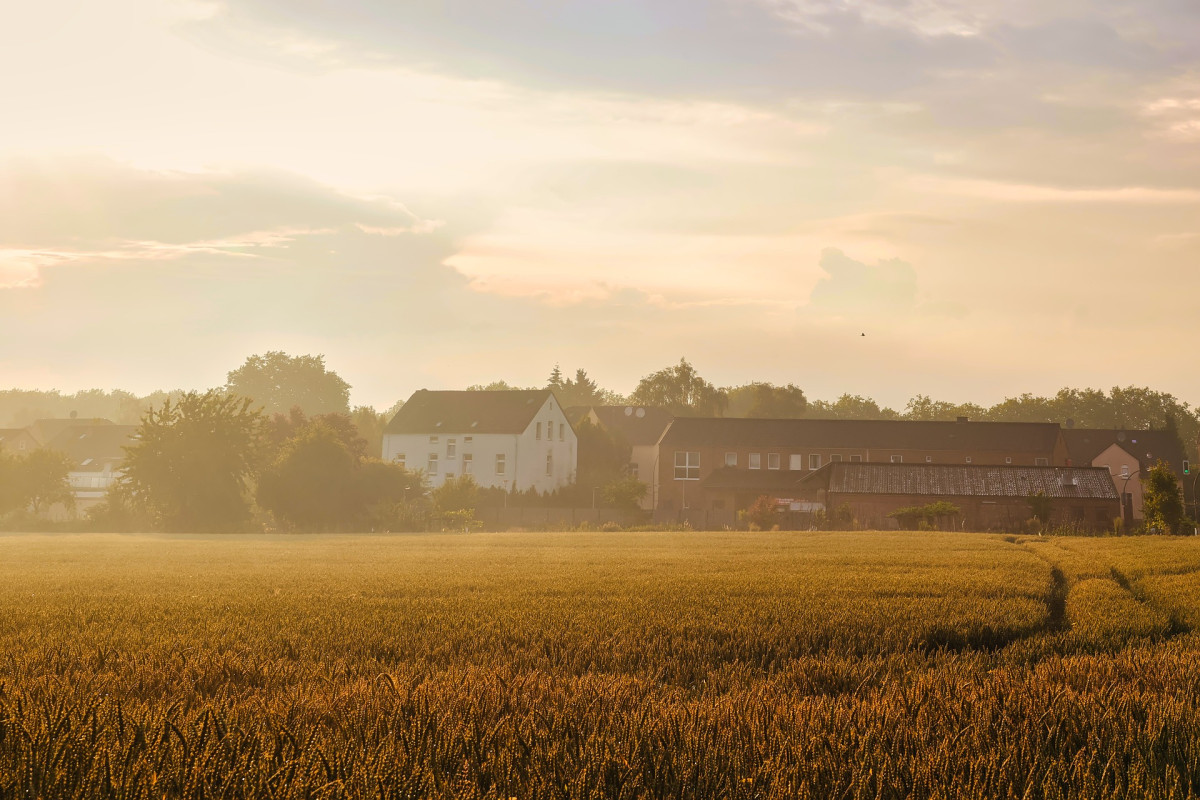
x: 512, y: 440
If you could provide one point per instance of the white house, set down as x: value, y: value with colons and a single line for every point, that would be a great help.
x: 513, y: 440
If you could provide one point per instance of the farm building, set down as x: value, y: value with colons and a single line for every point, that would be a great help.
x: 513, y: 440
x: 990, y: 497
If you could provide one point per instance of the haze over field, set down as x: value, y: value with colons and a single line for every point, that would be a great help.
x: 1003, y: 196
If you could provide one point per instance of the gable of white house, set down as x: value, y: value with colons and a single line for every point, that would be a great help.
x: 543, y: 456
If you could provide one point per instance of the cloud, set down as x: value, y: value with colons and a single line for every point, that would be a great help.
x: 854, y: 288
x: 858, y: 292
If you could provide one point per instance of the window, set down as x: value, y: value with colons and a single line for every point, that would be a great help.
x: 856, y: 458
x: 538, y: 434
x: 399, y: 459
x: 814, y: 461
x: 1008, y: 459
x: 772, y: 460
x: 451, y: 448
x: 836, y: 457
x: 431, y: 467
x: 562, y: 432
x: 928, y: 459
x: 756, y: 461
x: 968, y: 459
x: 731, y: 459
x: 500, y: 463
x: 433, y: 440
x: 633, y: 470
x: 468, y: 464
x: 899, y: 459
x: 549, y: 463
x: 796, y: 461
x: 1041, y: 462
x: 1124, y: 470
x: 687, y: 465
x: 468, y: 439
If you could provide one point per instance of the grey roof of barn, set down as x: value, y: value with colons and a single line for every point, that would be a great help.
x: 1147, y: 446
x: 873, y: 434
x: 964, y: 480
x: 468, y: 412
x: 640, y: 425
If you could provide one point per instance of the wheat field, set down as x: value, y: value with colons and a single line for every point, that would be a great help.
x: 588, y: 665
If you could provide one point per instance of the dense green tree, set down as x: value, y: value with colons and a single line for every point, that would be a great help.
x: 282, y: 428
x: 603, y: 456
x: 11, y: 496
x: 766, y: 401
x: 624, y: 493
x: 42, y: 478
x: 312, y: 484
x: 849, y: 406
x: 192, y: 461
x: 922, y: 407
x: 277, y: 382
x: 1162, y: 502
x: 495, y: 386
x: 682, y: 391
x: 370, y: 424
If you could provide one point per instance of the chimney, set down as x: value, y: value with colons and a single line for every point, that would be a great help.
x: 961, y: 419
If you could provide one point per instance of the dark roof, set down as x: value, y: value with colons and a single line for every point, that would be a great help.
x: 880, y: 434
x: 1147, y: 447
x: 964, y: 480
x: 91, y: 447
x: 640, y: 425
x: 750, y: 479
x: 47, y: 430
x: 468, y: 412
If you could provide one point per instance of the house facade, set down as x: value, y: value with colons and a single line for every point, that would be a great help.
x: 97, y: 453
x: 1128, y: 455
x: 692, y: 449
x: 511, y: 440
x: 989, y: 497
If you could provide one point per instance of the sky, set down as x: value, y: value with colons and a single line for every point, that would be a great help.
x: 1002, y: 195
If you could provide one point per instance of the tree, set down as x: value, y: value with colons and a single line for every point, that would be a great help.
x: 191, y: 464
x: 11, y: 496
x: 455, y: 502
x: 624, y: 493
x: 849, y: 406
x: 42, y: 479
x: 767, y: 401
x: 1162, y: 503
x: 1041, y: 507
x: 681, y: 391
x: 370, y: 424
x: 278, y: 382
x: 312, y: 483
x: 923, y: 408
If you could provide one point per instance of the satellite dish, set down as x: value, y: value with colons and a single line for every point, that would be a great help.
x: 1070, y: 424
x: 641, y: 412
x: 629, y: 411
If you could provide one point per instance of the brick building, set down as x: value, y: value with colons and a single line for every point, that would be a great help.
x: 692, y: 449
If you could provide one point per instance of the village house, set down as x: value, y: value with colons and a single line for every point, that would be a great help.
x: 989, y: 497
x: 17, y: 441
x: 512, y: 440
x: 750, y: 453
x: 1128, y: 455
x: 97, y: 452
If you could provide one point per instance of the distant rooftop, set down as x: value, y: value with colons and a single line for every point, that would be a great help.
x: 468, y: 412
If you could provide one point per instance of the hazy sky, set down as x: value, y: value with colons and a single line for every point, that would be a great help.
x: 1004, y: 195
